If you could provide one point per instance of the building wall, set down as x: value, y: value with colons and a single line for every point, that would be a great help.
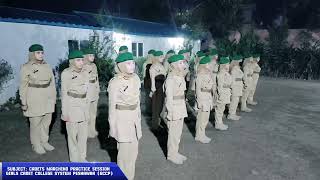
x: 17, y: 37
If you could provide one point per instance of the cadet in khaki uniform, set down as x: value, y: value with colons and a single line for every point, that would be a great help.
x: 93, y: 91
x: 215, y: 68
x: 125, y: 114
x: 197, y: 59
x: 247, y: 79
x: 204, y: 94
x: 158, y: 76
x: 166, y: 64
x: 38, y: 98
x: 224, y: 92
x: 186, y: 55
x: 145, y: 70
x: 236, y: 87
x: 175, y: 87
x: 255, y: 77
x: 74, y: 98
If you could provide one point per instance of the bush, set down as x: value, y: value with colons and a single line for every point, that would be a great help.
x: 5, y: 73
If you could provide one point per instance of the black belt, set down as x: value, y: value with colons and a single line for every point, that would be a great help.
x: 39, y: 85
x: 74, y: 95
x: 126, y: 107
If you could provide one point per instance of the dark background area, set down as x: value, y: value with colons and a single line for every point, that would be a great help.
x: 298, y: 13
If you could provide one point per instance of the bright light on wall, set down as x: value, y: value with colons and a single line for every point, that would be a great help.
x: 176, y: 43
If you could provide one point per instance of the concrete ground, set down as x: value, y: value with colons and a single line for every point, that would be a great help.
x: 279, y: 140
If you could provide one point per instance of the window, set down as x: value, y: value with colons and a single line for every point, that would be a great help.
x: 73, y: 45
x: 84, y: 44
x: 134, y: 49
x: 137, y: 49
x: 140, y: 49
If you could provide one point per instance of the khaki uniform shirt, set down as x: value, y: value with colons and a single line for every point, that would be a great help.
x: 237, y: 81
x: 224, y: 87
x: 124, y: 108
x: 205, y: 89
x: 175, y: 87
x: 37, y: 89
x: 247, y: 76
x: 94, y: 87
x: 156, y: 70
x: 74, y: 95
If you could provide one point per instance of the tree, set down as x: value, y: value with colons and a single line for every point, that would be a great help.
x: 5, y: 73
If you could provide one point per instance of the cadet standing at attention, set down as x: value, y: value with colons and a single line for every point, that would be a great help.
x: 204, y: 97
x: 38, y: 98
x: 166, y: 64
x: 122, y: 49
x: 75, y: 112
x: 236, y: 87
x: 145, y: 71
x: 247, y: 79
x: 197, y: 59
x: 124, y: 113
x: 158, y: 76
x: 255, y: 77
x: 213, y: 53
x: 186, y: 55
x: 175, y: 87
x: 93, y: 91
x: 224, y: 92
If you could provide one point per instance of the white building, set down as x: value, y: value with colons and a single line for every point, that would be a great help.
x: 19, y: 28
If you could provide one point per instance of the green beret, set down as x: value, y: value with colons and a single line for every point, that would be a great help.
x: 158, y: 53
x: 256, y: 55
x: 75, y: 54
x: 247, y: 55
x: 213, y: 52
x: 237, y: 58
x: 205, y: 60
x: 151, y: 51
x: 124, y: 57
x: 183, y: 51
x: 175, y: 58
x: 200, y: 54
x: 171, y: 52
x: 88, y: 51
x: 224, y: 60
x: 122, y: 48
x: 35, y: 47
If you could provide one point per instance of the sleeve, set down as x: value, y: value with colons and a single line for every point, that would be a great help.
x: 198, y: 85
x: 139, y: 108
x: 64, y: 90
x: 152, y: 77
x: 169, y: 93
x: 219, y: 84
x: 53, y: 91
x: 98, y: 83
x: 112, y: 95
x: 23, y: 89
x: 144, y: 67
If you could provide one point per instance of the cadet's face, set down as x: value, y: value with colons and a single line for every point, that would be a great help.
x: 187, y: 56
x: 90, y: 57
x: 39, y: 55
x: 161, y: 58
x: 78, y: 63
x: 227, y: 67
x: 130, y: 66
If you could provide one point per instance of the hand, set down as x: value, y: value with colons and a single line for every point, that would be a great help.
x: 66, y: 118
x: 24, y: 107
x: 150, y: 95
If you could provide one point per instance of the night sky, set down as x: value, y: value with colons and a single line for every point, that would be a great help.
x: 266, y: 10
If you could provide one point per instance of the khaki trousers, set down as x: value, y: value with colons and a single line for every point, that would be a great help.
x: 244, y: 98
x: 234, y: 105
x: 39, y: 129
x: 77, y: 140
x: 174, y: 136
x: 127, y: 156
x: 92, y: 118
x: 219, y: 110
x: 202, y: 122
x: 251, y: 93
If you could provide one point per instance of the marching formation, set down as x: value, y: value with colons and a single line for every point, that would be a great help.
x: 216, y: 82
